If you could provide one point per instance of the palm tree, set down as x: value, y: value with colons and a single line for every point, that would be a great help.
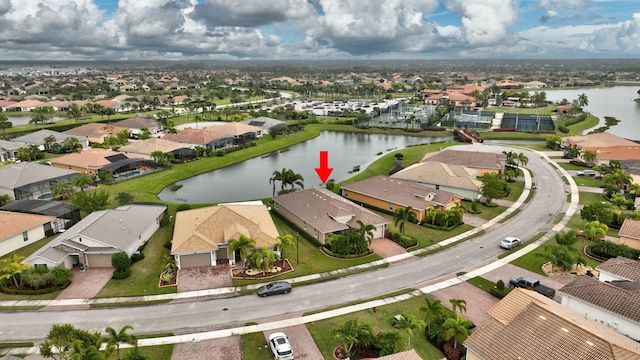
x: 388, y: 342
x: 135, y: 354
x: 523, y: 160
x: 263, y: 258
x: 589, y: 157
x: 583, y: 100
x: 79, y: 351
x: 408, y: 323
x: 595, y: 230
x: 284, y: 245
x: 242, y: 245
x: 292, y: 178
x: 558, y: 256
x: 170, y: 263
x: 4, y: 123
x: 365, y: 231
x: 566, y: 238
x: 82, y: 181
x: 401, y: 216
x: 62, y: 189
x: 276, y: 176
x: 459, y: 304
x: 354, y: 333
x: 434, y: 310
x: 115, y: 338
x: 456, y: 328
x: 75, y: 111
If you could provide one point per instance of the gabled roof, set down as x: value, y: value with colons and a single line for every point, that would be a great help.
x: 622, y: 267
x: 441, y: 174
x: 472, y: 159
x: 598, y: 140
x: 10, y: 145
x: 326, y: 211
x: 13, y: 176
x: 401, y: 192
x: 137, y: 122
x: 95, y: 130
x: 619, y: 297
x: 38, y: 137
x: 150, y: 145
x: 206, y: 228
x: 630, y: 228
x: 234, y: 128
x: 91, y: 158
x: 12, y: 223
x: 195, y: 136
x: 527, y: 325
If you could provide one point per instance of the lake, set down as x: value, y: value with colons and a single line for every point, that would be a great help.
x: 250, y: 179
x: 614, y: 101
x: 24, y: 119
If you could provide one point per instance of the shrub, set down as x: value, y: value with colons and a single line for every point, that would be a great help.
x: 563, y: 129
x: 137, y: 257
x: 120, y: 261
x: 500, y: 285
x: 505, y: 129
x: 220, y: 153
x: 119, y: 275
x: 406, y: 241
x: 435, y: 128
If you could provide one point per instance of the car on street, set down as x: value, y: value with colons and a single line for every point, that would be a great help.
x: 280, y: 347
x: 276, y: 287
x: 510, y: 242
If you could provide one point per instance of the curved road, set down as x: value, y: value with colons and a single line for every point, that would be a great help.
x: 201, y: 315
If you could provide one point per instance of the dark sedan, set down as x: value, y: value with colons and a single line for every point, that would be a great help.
x: 276, y: 287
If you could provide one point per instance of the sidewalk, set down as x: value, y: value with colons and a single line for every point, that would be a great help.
x: 482, y: 269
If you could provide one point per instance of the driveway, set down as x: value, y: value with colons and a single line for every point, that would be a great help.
x: 226, y: 348
x: 204, y: 277
x: 478, y: 301
x: 386, y: 248
x: 86, y: 284
x: 301, y: 342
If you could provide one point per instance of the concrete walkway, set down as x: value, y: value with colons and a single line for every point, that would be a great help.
x: 265, y: 327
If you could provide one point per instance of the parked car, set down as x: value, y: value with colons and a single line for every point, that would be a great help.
x: 280, y: 347
x: 510, y: 242
x: 276, y: 287
x: 531, y: 284
x: 586, y: 173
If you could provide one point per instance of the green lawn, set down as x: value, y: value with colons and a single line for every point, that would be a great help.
x: 489, y: 212
x: 517, y: 187
x: 255, y: 347
x: 159, y: 352
x: 577, y: 223
x: 570, y: 166
x: 538, y: 146
x: 587, y: 198
x: 322, y: 331
x: 588, y: 181
x: 425, y: 236
x: 532, y: 262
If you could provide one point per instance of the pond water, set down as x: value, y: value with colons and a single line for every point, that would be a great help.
x: 614, y: 101
x: 250, y: 179
x: 24, y: 119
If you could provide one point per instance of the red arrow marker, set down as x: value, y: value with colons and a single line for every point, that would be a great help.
x: 324, y: 170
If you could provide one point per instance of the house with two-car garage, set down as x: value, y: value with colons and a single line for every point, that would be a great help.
x: 93, y: 240
x: 201, y: 236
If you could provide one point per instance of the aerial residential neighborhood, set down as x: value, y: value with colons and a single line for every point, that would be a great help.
x: 83, y: 201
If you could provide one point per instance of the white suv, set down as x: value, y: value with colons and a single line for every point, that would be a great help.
x: 280, y: 347
x: 510, y: 242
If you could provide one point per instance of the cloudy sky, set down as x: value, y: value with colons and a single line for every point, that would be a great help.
x: 318, y: 29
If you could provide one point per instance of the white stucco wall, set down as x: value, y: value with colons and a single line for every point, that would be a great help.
x: 622, y: 325
x: 16, y: 241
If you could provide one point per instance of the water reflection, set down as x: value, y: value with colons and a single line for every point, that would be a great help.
x: 250, y: 179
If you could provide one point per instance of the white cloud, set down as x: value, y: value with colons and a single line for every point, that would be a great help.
x: 250, y: 13
x: 485, y: 22
x: 565, y: 4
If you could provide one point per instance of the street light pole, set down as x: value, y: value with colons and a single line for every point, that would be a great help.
x: 297, y: 249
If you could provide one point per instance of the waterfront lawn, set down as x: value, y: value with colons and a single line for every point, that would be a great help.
x: 322, y: 331
x: 578, y: 128
x: 145, y: 273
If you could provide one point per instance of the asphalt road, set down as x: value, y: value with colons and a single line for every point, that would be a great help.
x: 201, y: 315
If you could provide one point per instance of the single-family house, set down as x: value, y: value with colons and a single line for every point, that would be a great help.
x: 320, y: 212
x: 482, y: 162
x: 632, y: 168
x: 145, y: 148
x: 605, y: 145
x: 241, y: 133
x: 28, y: 105
x: 93, y: 241
x: 389, y: 194
x: 27, y: 180
x: 40, y: 138
x: 613, y: 304
x: 456, y: 179
x: 527, y: 325
x: 619, y: 269
x: 201, y: 236
x: 18, y: 230
x: 137, y: 123
x: 96, y: 132
x: 9, y: 150
x: 63, y: 212
x: 201, y: 137
x: 6, y: 105
x: 92, y: 160
x: 629, y: 233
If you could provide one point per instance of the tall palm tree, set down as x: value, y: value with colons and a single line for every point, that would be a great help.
x: 456, y: 328
x: 523, y: 160
x: 590, y: 157
x: 284, y: 245
x: 408, y: 323
x: 262, y: 258
x: 558, y: 255
x: 292, y: 178
x: 583, y: 100
x: 75, y: 111
x: 401, y: 216
x: 62, y: 189
x: 459, y: 304
x: 242, y: 245
x: 566, y: 238
x: 80, y: 351
x: 366, y: 231
x: 277, y: 176
x: 82, y: 181
x: 434, y: 310
x: 4, y: 123
x: 116, y: 338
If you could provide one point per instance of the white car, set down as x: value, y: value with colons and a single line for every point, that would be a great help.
x: 510, y: 242
x: 280, y: 347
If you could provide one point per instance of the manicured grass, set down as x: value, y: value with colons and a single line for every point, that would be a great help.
x: 425, y: 236
x: 588, y: 181
x: 577, y: 223
x: 538, y: 146
x: 489, y: 212
x: 509, y: 135
x: 517, y: 187
x: 587, y: 198
x: 145, y: 273
x: 570, y: 166
x: 546, y: 110
x: 322, y: 331
x: 532, y: 262
x: 255, y: 347
x: 578, y: 128
x: 159, y: 352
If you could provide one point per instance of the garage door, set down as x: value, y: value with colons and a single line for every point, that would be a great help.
x: 99, y: 260
x: 378, y: 232
x: 187, y: 261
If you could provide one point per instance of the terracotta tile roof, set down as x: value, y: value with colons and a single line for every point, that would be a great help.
x: 12, y: 223
x: 95, y: 130
x: 598, y: 140
x: 195, y: 136
x: 622, y: 152
x: 404, y: 355
x: 630, y: 228
x: 326, y: 211
x: 5, y: 103
x: 441, y: 174
x: 233, y: 128
x: 91, y: 158
x: 622, y: 267
x: 526, y: 325
x: 206, y: 228
x: 401, y: 192
x: 472, y: 159
x: 150, y: 145
x: 616, y: 297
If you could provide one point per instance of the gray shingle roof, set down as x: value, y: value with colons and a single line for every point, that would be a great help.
x: 16, y: 175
